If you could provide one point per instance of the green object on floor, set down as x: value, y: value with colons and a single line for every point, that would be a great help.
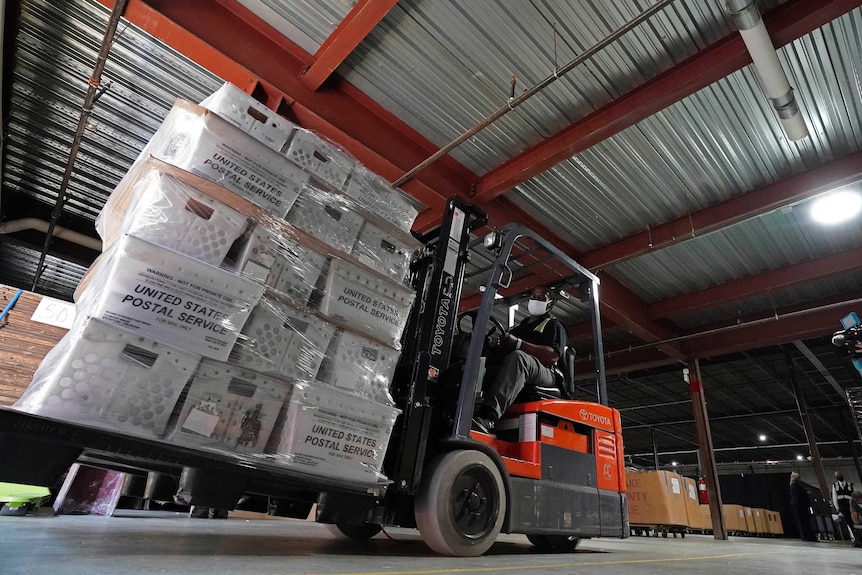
x: 17, y: 494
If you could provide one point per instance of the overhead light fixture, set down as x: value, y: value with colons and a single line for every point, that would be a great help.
x: 674, y: 463
x: 762, y: 437
x: 800, y: 457
x: 773, y: 80
x: 836, y: 207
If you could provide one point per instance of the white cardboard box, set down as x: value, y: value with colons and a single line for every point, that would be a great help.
x: 250, y: 116
x: 366, y: 301
x: 230, y: 408
x: 199, y: 141
x: 278, y: 338
x: 328, y: 433
x: 168, y: 297
x: 102, y: 376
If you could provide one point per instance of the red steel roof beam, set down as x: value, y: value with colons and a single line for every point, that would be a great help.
x: 344, y: 39
x: 735, y: 210
x: 800, y: 321
x: 759, y: 284
x: 785, y: 24
x: 625, y: 309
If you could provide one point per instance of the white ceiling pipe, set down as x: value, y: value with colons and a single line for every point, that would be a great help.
x: 42, y: 226
x: 772, y: 78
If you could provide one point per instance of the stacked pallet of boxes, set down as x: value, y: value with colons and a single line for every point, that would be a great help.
x: 759, y: 516
x: 706, y: 518
x: 773, y: 523
x: 656, y: 499
x: 734, y: 518
x: 250, y: 297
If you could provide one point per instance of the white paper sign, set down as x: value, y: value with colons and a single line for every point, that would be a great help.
x: 674, y: 485
x: 203, y: 419
x: 55, y: 312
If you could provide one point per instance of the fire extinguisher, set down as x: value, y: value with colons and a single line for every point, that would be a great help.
x: 701, y: 491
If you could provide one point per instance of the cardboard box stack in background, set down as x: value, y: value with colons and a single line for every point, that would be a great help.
x: 706, y: 517
x: 773, y: 523
x: 249, y: 299
x: 692, y: 505
x: 759, y: 516
x: 749, y: 519
x: 734, y: 518
x: 656, y: 498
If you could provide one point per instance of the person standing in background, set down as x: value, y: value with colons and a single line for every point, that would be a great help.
x: 841, y: 492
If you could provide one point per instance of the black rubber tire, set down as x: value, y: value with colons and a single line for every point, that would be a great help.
x: 558, y: 543
x: 563, y: 543
x: 355, y: 532
x: 539, y: 541
x: 461, y: 504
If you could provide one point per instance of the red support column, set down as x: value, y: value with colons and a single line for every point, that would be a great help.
x: 706, y: 450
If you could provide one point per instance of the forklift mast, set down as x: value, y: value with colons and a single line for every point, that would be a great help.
x: 437, y: 276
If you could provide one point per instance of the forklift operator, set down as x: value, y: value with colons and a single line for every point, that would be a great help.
x: 533, y: 348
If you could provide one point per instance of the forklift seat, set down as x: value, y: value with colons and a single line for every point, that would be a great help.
x: 563, y: 390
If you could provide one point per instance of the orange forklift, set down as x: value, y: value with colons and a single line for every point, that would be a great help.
x: 554, y: 470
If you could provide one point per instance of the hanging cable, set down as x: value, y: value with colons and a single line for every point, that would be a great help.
x: 527, y: 94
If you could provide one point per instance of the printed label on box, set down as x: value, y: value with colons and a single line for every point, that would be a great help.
x: 171, y: 298
x: 674, y: 485
x: 203, y: 419
x: 204, y: 144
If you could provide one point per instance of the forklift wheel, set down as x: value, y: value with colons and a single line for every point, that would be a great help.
x: 558, y: 543
x: 356, y: 532
x: 461, y: 504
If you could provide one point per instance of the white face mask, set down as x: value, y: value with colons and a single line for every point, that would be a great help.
x: 537, y: 307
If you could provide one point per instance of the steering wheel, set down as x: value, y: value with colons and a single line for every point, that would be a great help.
x: 494, y: 335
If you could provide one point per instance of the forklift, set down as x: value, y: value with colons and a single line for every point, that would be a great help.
x: 554, y: 469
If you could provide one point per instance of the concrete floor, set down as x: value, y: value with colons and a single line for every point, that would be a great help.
x: 159, y: 542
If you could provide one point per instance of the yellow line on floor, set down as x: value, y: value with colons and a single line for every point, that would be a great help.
x: 560, y: 565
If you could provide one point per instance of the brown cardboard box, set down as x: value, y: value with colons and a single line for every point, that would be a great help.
x: 706, y: 517
x: 749, y: 520
x: 759, y: 516
x: 773, y: 523
x: 734, y: 517
x: 692, y: 504
x: 655, y: 498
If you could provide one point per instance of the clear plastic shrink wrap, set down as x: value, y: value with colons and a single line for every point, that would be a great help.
x: 228, y: 408
x: 366, y: 301
x: 279, y: 338
x: 163, y: 210
x: 379, y: 197
x: 344, y: 224
x: 326, y: 432
x: 250, y: 116
x: 103, y: 376
x: 245, y: 302
x: 167, y: 296
x: 201, y: 142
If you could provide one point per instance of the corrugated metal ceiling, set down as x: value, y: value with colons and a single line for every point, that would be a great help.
x: 56, y: 50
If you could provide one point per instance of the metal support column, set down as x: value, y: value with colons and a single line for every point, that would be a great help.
x: 809, y: 429
x: 654, y: 447
x: 705, y: 450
